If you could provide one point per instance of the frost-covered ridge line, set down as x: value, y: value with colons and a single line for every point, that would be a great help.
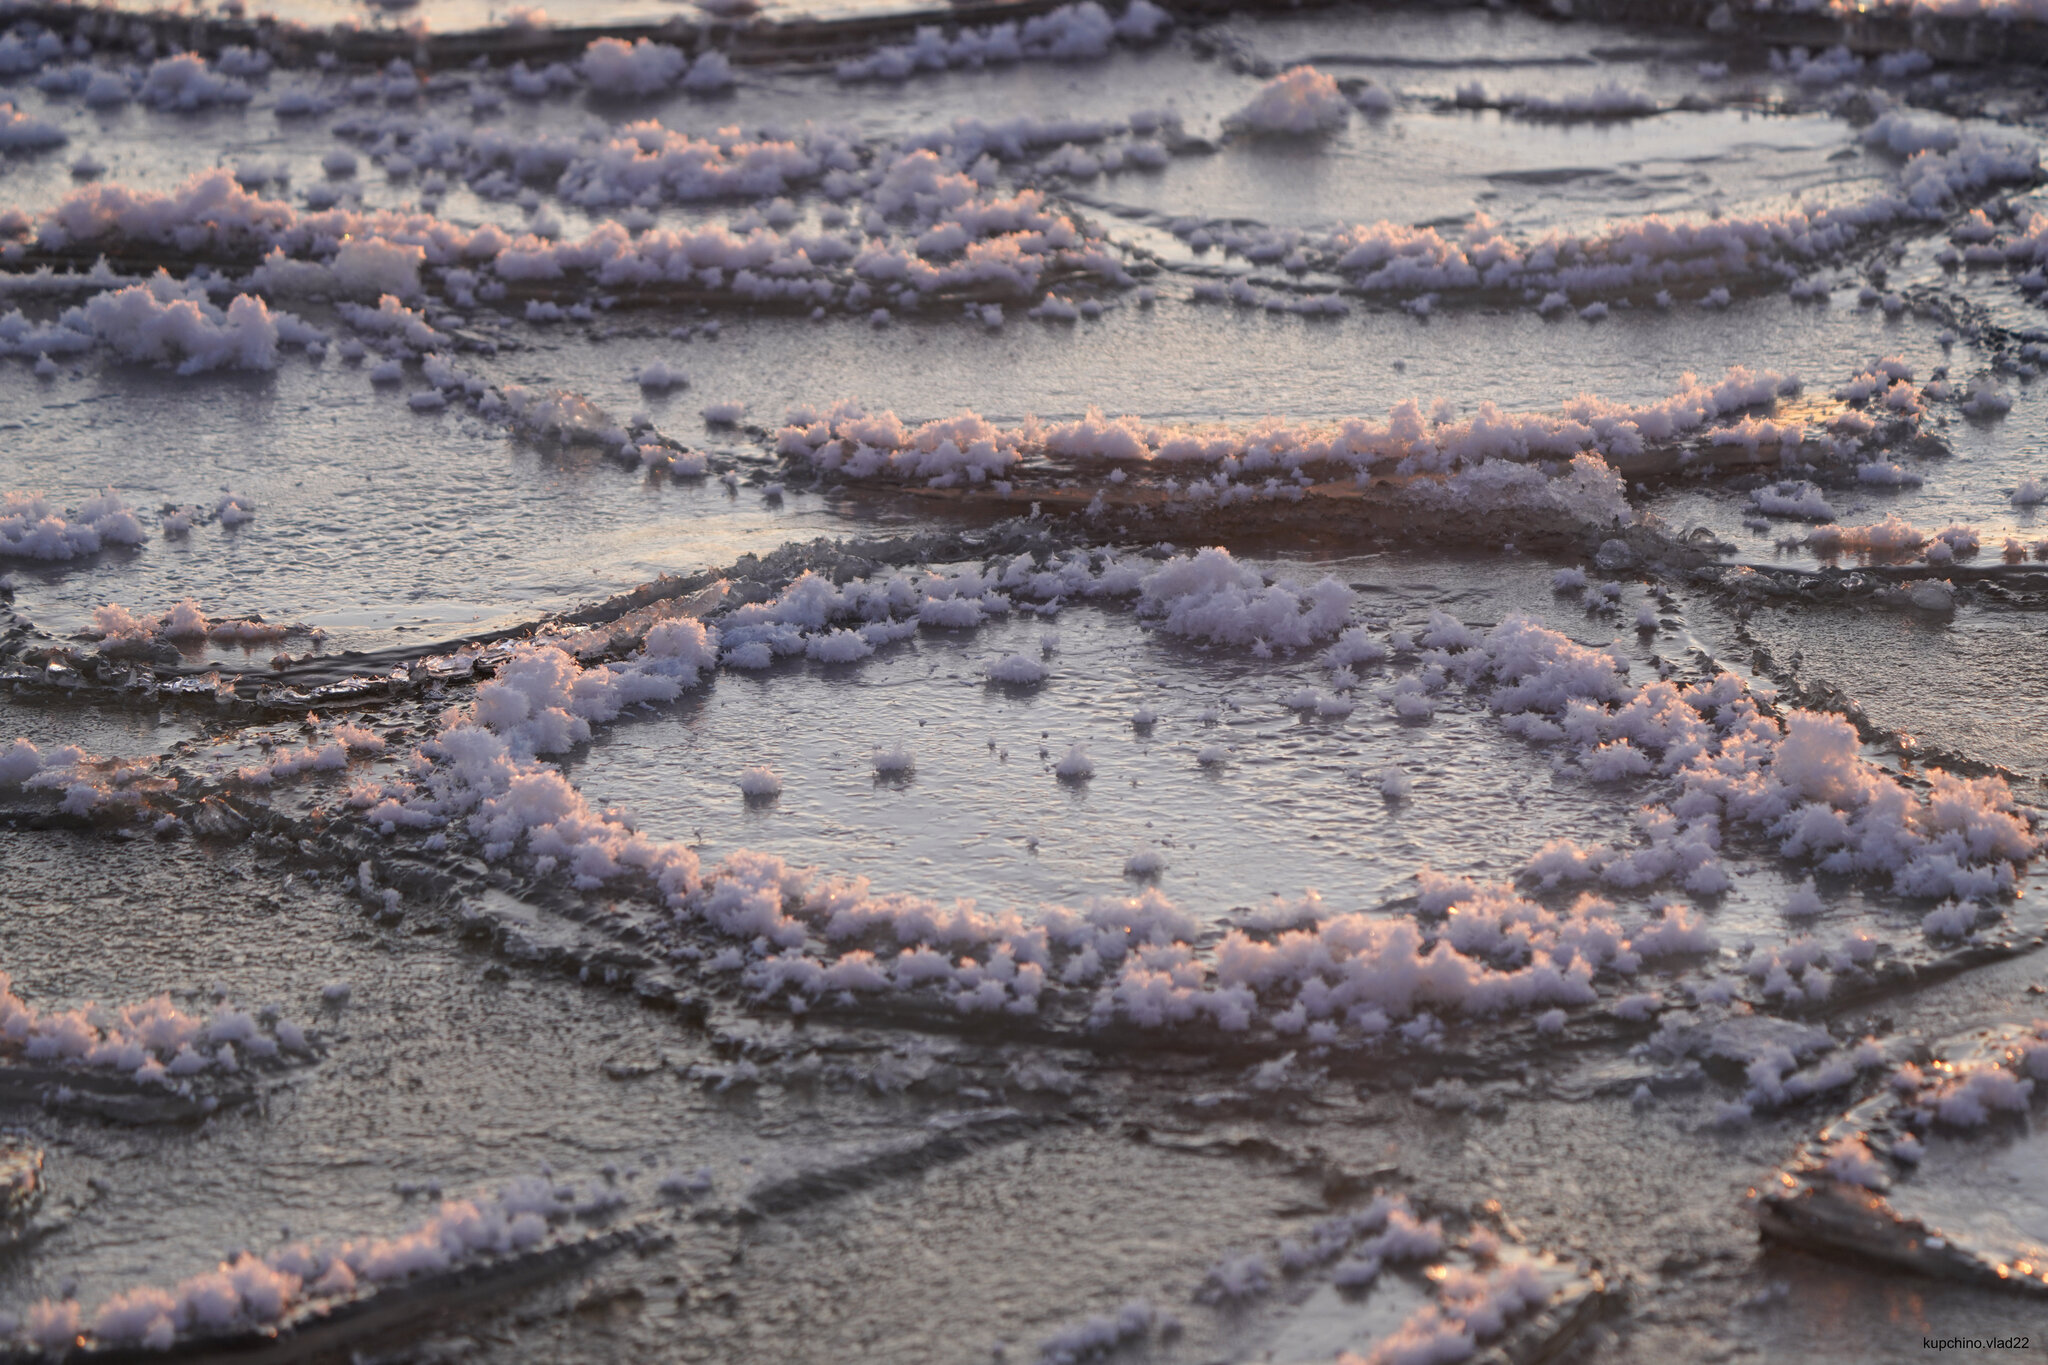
x: 923, y: 220
x: 1565, y: 463
x: 166, y: 322
x: 1722, y: 764
x: 153, y: 1042
x: 1060, y: 32
x: 931, y: 224
x: 1072, y: 32
x: 122, y: 631
x: 305, y: 1286
x: 120, y: 789
x: 1946, y: 167
x: 848, y: 440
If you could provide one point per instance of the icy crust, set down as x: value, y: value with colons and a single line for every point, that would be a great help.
x: 1355, y: 1246
x: 1894, y: 538
x: 1208, y: 595
x: 813, y: 618
x: 1222, y: 462
x: 328, y: 753
x: 1298, y: 102
x: 483, y: 766
x: 33, y: 527
x: 1883, y: 405
x: 642, y: 164
x: 1793, y: 498
x: 904, y: 224
x: 1471, y: 1306
x: 185, y: 81
x: 1607, y: 100
x: 1652, y: 256
x: 1973, y: 1091
x: 1537, y: 468
x: 296, y: 1286
x: 1102, y: 1334
x: 2016, y: 239
x: 1473, y: 949
x: 153, y: 1043
x: 403, y: 336
x: 1777, y: 1063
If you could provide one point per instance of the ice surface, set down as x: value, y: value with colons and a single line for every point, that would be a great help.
x: 1347, y: 662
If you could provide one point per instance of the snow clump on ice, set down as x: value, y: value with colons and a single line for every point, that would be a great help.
x: 1210, y: 596
x: 153, y: 1041
x: 1017, y: 670
x: 32, y: 527
x: 615, y: 67
x: 20, y: 132
x: 759, y: 783
x: 1300, y: 101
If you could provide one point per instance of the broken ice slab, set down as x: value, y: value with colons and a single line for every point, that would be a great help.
x: 1943, y: 1172
x: 623, y: 631
x: 339, y: 1316
x: 1412, y: 1291
x: 1396, y: 1312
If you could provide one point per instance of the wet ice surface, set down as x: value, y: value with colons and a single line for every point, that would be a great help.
x: 1988, y: 1193
x: 985, y: 815
x: 1115, y: 1166
x: 460, y: 557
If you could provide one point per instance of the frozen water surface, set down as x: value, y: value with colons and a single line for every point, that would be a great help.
x: 1106, y: 685
x: 985, y: 815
